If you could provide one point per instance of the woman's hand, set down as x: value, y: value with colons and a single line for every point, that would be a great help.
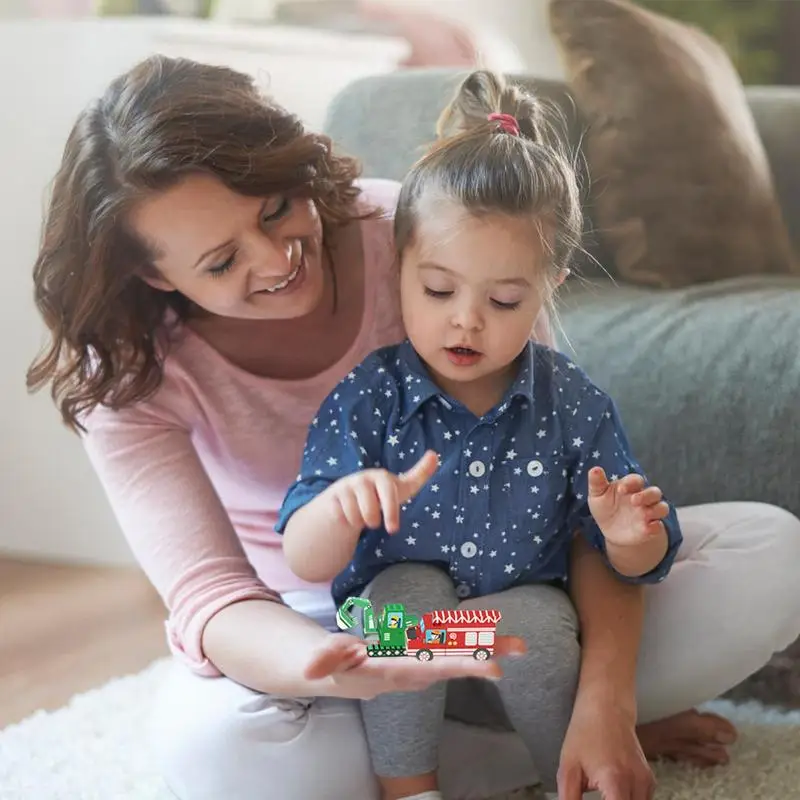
x: 602, y: 752
x: 343, y: 659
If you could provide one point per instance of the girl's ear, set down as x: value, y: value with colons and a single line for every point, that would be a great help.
x: 562, y: 276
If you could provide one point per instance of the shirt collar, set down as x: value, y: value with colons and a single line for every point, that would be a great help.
x: 417, y: 386
x: 523, y: 383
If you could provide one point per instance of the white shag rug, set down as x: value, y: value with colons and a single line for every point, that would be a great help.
x: 95, y: 749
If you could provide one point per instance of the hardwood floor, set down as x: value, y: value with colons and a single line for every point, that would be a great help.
x: 67, y: 629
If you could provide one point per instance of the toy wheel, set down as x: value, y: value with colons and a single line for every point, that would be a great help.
x: 481, y: 654
x: 425, y: 655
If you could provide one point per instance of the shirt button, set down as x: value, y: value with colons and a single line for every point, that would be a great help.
x: 535, y: 468
x: 477, y: 469
x: 468, y: 549
x: 463, y: 590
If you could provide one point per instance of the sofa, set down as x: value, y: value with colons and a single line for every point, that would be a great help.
x: 707, y: 377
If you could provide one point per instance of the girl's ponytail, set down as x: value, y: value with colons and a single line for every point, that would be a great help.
x: 484, y: 95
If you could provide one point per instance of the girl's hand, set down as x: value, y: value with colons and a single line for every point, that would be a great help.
x: 602, y: 752
x: 344, y: 659
x: 367, y: 497
x: 627, y: 513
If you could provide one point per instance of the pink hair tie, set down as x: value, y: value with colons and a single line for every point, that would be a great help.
x: 508, y: 123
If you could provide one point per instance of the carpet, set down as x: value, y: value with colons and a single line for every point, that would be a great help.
x: 95, y: 749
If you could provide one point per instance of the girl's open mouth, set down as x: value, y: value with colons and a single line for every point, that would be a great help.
x: 463, y: 356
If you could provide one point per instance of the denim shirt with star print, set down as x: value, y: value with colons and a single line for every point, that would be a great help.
x: 511, y: 488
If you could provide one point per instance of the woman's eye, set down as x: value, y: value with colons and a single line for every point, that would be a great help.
x: 222, y: 268
x: 434, y: 293
x: 272, y: 212
x: 506, y: 306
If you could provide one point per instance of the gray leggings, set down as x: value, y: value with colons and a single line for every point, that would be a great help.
x: 535, y: 697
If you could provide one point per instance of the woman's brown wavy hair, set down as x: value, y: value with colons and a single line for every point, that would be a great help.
x: 158, y: 122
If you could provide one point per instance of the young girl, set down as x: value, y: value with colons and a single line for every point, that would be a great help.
x: 485, y: 227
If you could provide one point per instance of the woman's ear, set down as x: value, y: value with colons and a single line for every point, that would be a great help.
x: 152, y: 278
x: 562, y: 276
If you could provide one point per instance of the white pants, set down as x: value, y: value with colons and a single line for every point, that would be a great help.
x: 731, y: 601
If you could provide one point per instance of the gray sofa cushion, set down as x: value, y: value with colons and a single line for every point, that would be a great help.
x: 707, y: 378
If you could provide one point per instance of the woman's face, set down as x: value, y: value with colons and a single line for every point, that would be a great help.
x: 234, y: 256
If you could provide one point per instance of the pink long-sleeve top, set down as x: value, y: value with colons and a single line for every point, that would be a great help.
x: 196, y: 473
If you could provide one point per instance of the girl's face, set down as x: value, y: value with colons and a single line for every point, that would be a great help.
x: 234, y: 256
x: 471, y: 291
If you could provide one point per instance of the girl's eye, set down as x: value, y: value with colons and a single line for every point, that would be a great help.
x: 222, y: 268
x: 283, y: 208
x: 439, y: 295
x: 506, y: 306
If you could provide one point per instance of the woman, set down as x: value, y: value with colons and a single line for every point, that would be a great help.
x: 208, y: 272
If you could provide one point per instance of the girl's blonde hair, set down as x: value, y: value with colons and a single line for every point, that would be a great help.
x: 488, y: 167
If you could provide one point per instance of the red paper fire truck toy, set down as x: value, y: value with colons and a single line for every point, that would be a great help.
x: 449, y: 632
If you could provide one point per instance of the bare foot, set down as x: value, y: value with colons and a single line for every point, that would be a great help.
x: 692, y: 737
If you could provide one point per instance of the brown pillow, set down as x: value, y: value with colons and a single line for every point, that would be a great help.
x: 682, y: 192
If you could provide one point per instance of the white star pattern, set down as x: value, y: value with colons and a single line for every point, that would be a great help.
x: 508, y: 485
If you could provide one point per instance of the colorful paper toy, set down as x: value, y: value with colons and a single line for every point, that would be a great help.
x: 448, y: 632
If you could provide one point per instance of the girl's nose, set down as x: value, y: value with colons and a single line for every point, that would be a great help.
x: 468, y: 317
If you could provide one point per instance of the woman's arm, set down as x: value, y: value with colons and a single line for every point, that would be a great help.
x: 268, y: 647
x: 602, y: 750
x: 610, y: 614
x: 221, y: 617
